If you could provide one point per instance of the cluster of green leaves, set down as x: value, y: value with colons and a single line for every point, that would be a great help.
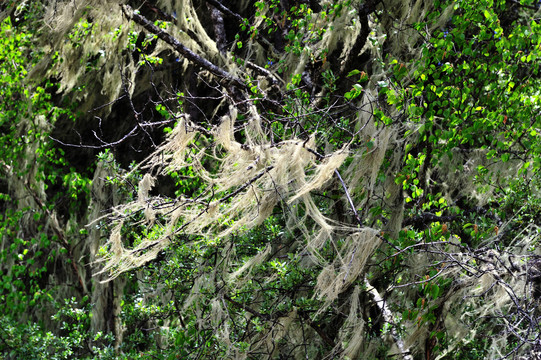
x: 32, y: 163
x: 31, y: 341
x: 14, y: 109
x: 476, y: 86
x: 474, y: 89
x: 304, y: 27
x: 464, y: 93
x: 274, y: 16
x: 192, y: 260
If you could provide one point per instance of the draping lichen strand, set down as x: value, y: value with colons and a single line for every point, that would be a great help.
x: 244, y: 180
x: 262, y: 174
x: 346, y: 205
x: 92, y: 33
x: 97, y: 37
x: 266, y: 175
x: 258, y: 175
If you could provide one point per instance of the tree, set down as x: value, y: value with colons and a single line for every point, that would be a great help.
x: 298, y: 179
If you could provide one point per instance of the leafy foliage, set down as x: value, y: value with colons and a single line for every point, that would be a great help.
x: 347, y: 179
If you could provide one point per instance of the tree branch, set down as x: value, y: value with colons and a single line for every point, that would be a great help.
x: 218, y: 5
x: 388, y: 318
x: 182, y: 49
x: 219, y: 27
x: 364, y: 10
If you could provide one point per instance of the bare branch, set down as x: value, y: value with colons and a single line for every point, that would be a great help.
x: 388, y: 317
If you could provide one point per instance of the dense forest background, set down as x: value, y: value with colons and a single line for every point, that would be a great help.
x: 285, y: 179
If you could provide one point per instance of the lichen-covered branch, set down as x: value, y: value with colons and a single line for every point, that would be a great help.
x: 182, y: 49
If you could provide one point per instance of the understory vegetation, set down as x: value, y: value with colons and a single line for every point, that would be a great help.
x: 270, y: 179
